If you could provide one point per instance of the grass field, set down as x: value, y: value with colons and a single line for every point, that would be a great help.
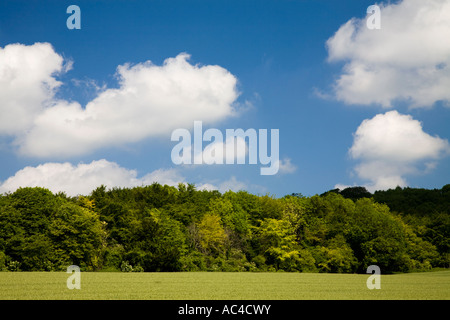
x: 226, y: 286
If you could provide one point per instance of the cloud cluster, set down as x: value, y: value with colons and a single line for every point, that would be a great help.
x: 392, y: 145
x: 150, y: 101
x: 408, y: 59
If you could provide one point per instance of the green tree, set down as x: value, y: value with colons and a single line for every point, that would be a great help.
x: 78, y: 236
x: 277, y: 242
x: 211, y: 234
x: 355, y: 193
x: 377, y: 237
x: 43, y: 231
x: 336, y: 256
x: 157, y: 242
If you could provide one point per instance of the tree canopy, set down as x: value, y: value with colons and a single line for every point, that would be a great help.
x: 165, y: 228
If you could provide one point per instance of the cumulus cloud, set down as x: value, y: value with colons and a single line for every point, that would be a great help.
x: 286, y: 166
x: 150, y: 100
x: 83, y: 178
x: 408, y: 59
x: 27, y: 84
x: 395, y: 137
x: 391, y: 146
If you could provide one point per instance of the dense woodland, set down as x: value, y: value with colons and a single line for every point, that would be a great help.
x: 165, y: 228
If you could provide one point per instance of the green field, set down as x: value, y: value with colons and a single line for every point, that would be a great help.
x: 227, y: 286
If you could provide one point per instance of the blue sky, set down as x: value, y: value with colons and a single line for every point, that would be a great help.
x: 287, y: 77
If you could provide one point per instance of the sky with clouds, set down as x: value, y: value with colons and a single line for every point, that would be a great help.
x: 352, y: 105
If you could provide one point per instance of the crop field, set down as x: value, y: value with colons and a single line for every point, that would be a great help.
x: 222, y: 286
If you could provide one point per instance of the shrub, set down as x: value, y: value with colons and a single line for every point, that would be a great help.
x: 126, y: 267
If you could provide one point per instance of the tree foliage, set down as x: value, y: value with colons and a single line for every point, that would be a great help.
x: 165, y: 228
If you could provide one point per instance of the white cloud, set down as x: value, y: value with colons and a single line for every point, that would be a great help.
x: 171, y: 177
x: 223, y: 186
x: 384, y: 175
x: 150, y: 101
x: 407, y: 59
x: 286, y: 166
x: 395, y: 137
x: 232, y: 184
x: 391, y: 146
x: 27, y: 84
x: 206, y: 186
x: 84, y: 178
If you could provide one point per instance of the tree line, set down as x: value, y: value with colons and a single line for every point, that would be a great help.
x: 165, y: 228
